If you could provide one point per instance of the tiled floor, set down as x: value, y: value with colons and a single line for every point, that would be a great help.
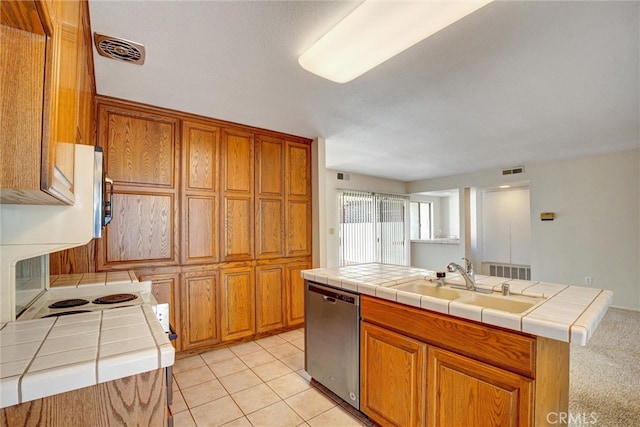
x: 257, y: 383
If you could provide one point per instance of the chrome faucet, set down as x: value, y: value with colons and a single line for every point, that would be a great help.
x: 467, y: 273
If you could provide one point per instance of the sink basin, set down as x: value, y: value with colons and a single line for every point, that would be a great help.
x: 429, y: 290
x: 510, y: 304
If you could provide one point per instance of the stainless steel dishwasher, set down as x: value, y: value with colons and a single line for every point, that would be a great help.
x: 332, y: 339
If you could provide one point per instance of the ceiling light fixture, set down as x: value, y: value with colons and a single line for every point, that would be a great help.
x: 378, y: 30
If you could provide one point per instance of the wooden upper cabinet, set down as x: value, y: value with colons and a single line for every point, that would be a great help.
x: 46, y: 68
x: 140, y: 148
x: 237, y: 203
x: 298, y: 199
x: 200, y: 198
x: 141, y: 152
x: 269, y: 197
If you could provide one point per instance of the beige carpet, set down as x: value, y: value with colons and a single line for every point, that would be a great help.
x: 604, y: 386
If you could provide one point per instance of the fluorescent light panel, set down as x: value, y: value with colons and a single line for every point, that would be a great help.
x: 377, y: 31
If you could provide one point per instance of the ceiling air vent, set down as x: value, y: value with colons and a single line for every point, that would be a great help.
x: 119, y: 49
x: 513, y: 171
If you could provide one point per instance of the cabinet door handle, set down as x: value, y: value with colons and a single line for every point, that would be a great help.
x: 108, y: 204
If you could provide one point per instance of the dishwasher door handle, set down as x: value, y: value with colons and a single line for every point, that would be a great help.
x: 329, y: 299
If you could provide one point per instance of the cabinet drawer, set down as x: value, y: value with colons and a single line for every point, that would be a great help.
x: 508, y: 350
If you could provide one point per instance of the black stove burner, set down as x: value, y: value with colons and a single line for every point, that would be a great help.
x: 66, y: 313
x: 68, y: 303
x: 114, y: 299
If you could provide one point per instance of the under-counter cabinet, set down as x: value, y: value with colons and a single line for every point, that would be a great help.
x: 476, y: 375
x: 465, y: 392
x: 393, y: 377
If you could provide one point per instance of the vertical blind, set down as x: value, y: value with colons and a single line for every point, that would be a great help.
x: 372, y: 228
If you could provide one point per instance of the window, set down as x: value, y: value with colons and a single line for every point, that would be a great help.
x: 372, y: 228
x: 421, y: 220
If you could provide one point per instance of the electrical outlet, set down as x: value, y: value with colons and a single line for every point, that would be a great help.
x: 588, y: 281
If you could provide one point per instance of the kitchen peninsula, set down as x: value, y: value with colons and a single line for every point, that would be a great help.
x: 431, y: 354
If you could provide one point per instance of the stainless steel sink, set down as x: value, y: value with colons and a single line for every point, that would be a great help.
x: 429, y: 289
x: 511, y: 304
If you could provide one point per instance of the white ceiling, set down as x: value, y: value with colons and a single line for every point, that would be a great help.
x: 514, y: 83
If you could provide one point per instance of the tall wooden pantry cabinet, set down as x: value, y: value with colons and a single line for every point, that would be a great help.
x: 217, y: 215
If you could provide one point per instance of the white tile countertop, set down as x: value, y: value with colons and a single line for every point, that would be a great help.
x: 46, y: 356
x: 567, y: 313
x: 43, y: 357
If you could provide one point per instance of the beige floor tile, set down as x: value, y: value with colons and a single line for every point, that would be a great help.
x: 288, y: 385
x: 183, y: 419
x: 216, y: 413
x: 217, y: 355
x: 292, y: 335
x: 284, y: 350
x: 254, y: 398
x: 245, y: 348
x: 270, y: 341
x: 256, y: 358
x: 272, y: 370
x: 193, y: 377
x: 310, y: 403
x: 279, y: 414
x: 174, y: 384
x: 335, y: 416
x: 295, y: 361
x: 228, y: 367
x: 203, y: 393
x: 188, y: 363
x: 240, y: 422
x: 240, y: 381
x: 177, y: 402
x: 299, y: 343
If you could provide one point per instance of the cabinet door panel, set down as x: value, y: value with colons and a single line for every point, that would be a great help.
x: 463, y: 391
x: 140, y: 150
x: 238, y: 310
x: 298, y: 170
x: 200, y: 199
x: 269, y: 229
x: 200, y: 216
x: 269, y: 166
x: 298, y: 226
x: 201, y: 156
x: 294, y: 293
x: 392, y: 377
x: 199, y: 310
x: 142, y: 229
x: 238, y: 161
x: 269, y: 292
x: 238, y: 229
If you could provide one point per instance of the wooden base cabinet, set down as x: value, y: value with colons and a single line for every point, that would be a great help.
x: 392, y: 377
x: 465, y: 392
x: 200, y: 312
x: 238, y: 306
x: 421, y: 368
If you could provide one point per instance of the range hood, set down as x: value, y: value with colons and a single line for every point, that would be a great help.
x: 28, y: 231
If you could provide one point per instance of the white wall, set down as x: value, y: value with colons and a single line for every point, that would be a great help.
x: 596, y: 230
x: 597, y: 227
